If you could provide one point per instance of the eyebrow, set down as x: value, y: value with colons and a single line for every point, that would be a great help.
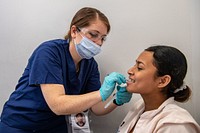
x: 139, y: 62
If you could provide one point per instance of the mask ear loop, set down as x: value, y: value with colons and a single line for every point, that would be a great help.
x: 78, y: 30
x: 74, y: 41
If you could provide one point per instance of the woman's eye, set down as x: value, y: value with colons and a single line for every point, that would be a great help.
x: 139, y: 68
x: 93, y: 35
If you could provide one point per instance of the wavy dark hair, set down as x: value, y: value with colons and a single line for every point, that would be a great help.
x: 171, y: 61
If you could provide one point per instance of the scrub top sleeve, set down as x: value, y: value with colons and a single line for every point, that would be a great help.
x: 45, y: 67
x: 94, y: 83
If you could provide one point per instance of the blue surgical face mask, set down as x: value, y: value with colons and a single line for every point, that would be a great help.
x: 87, y: 48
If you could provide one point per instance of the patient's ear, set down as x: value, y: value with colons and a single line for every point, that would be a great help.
x: 164, y: 81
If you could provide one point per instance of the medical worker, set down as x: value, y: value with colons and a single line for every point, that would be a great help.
x: 158, y: 76
x: 62, y: 78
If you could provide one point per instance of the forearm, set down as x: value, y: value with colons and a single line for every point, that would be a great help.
x: 71, y: 104
x: 77, y: 103
x: 62, y: 104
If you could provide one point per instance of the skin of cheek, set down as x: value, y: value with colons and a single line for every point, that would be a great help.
x: 143, y: 84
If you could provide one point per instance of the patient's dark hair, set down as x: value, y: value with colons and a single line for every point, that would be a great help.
x: 171, y: 61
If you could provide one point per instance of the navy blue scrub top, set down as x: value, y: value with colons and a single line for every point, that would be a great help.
x: 50, y: 63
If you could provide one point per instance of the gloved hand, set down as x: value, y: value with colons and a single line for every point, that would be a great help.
x: 109, y: 83
x: 122, y: 96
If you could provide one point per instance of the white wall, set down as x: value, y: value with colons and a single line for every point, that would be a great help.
x: 136, y: 24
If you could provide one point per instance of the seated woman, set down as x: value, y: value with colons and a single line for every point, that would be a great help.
x: 158, y: 76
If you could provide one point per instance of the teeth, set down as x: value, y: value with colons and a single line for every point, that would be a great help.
x: 131, y: 80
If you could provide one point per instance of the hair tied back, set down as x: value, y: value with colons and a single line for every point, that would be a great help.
x: 182, y: 87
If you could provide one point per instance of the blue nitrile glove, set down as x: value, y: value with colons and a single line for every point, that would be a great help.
x: 109, y: 83
x: 123, y: 96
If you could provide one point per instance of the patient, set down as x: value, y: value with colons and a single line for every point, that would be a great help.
x: 158, y: 76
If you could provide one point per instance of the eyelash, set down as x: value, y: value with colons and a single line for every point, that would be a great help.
x: 93, y: 34
x: 139, y: 68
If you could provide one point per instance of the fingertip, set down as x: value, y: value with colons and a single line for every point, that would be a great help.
x: 122, y: 78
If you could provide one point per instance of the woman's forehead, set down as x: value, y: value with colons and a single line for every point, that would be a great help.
x: 145, y: 57
x: 98, y: 25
